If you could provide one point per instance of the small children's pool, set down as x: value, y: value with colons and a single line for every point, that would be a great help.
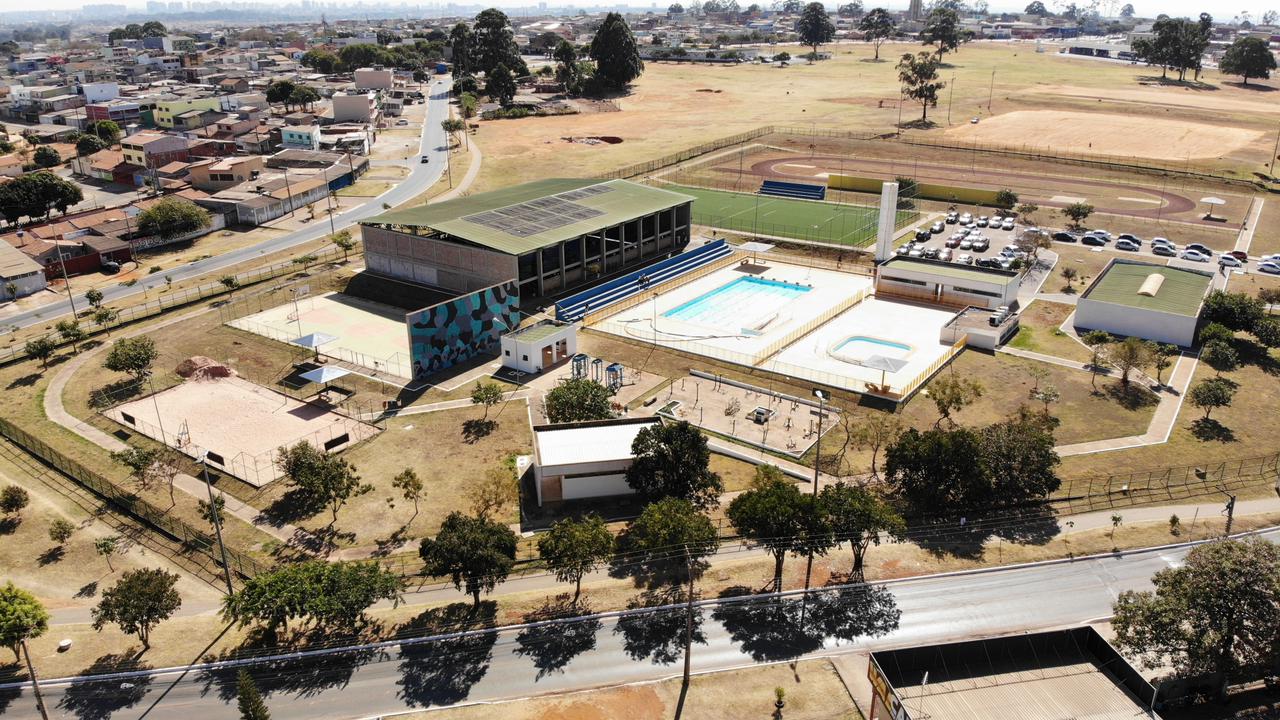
x: 734, y: 305
x: 860, y: 347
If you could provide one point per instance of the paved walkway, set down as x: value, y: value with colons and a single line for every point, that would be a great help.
x: 1245, y: 238
x: 57, y: 412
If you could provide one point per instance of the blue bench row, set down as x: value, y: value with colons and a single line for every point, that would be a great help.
x: 574, y: 307
x: 802, y: 191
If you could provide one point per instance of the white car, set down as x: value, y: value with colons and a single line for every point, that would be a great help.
x: 1194, y: 256
x: 1274, y: 258
x: 1007, y: 224
x: 1229, y: 261
x: 967, y: 259
x: 1161, y: 241
x: 1266, y: 267
x: 966, y: 217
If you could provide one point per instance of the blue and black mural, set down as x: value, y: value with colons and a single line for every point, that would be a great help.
x: 457, y: 330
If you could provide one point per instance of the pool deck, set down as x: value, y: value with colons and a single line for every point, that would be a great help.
x: 736, y: 341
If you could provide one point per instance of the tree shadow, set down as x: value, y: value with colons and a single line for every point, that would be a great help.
x: 87, y: 590
x: 90, y: 699
x: 114, y: 393
x: 658, y: 635
x: 442, y: 672
x: 391, y: 543
x: 9, y: 524
x: 1028, y: 526
x: 1254, y: 87
x: 299, y: 678
x: 1258, y: 355
x: 475, y: 430
x: 51, y: 556
x: 1035, y: 525
x: 918, y: 124
x: 772, y: 629
x: 1175, y: 82
x: 1210, y: 430
x: 1133, y: 396
x: 8, y: 695
x: 294, y: 505
x: 552, y: 645
x: 23, y: 381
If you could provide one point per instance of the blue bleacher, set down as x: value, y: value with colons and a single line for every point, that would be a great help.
x: 574, y: 307
x: 800, y: 191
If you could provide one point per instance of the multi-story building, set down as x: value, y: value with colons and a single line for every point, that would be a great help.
x: 96, y: 92
x: 167, y: 108
x: 153, y: 149
x: 373, y: 79
x: 300, y: 137
x: 355, y: 107
x: 120, y: 111
x: 220, y: 174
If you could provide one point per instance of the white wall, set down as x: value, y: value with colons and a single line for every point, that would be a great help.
x: 101, y: 91
x: 1136, y: 322
x: 596, y: 486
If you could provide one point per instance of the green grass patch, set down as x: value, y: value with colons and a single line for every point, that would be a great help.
x: 824, y: 222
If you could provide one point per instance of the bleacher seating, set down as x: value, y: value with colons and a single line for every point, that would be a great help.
x: 574, y: 307
x: 799, y: 191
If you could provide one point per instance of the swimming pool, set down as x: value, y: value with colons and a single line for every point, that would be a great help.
x: 738, y: 304
x: 857, y: 348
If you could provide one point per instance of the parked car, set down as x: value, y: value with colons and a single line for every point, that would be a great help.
x: 1006, y: 224
x: 1194, y: 255
x: 426, y: 159
x: 1093, y: 240
x: 992, y: 263
x: 945, y: 254
x: 930, y: 253
x: 966, y: 217
x: 1229, y: 261
x: 1129, y: 245
x: 1161, y: 241
x: 937, y: 228
x: 966, y: 244
x: 1274, y: 258
x: 1102, y: 234
x: 952, y: 218
x: 402, y: 121
x: 983, y: 221
x: 1065, y: 237
x: 923, y: 234
x: 1240, y: 255
x: 1130, y: 237
x: 953, y: 242
x: 981, y: 244
x: 1202, y: 249
x: 1164, y: 250
x: 967, y: 259
x: 916, y: 252
x: 1267, y: 267
x: 1105, y: 239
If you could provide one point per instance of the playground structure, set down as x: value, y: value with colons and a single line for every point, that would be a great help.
x: 612, y: 376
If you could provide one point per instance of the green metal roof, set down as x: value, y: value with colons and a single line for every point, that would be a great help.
x: 616, y: 201
x: 1180, y: 293
x: 953, y: 271
x: 539, y: 331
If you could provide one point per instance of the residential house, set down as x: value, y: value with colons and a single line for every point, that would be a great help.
x: 233, y: 85
x: 96, y: 92
x: 220, y: 174
x: 300, y: 137
x: 355, y: 107
x: 373, y: 79
x: 169, y: 107
x: 152, y: 149
x: 19, y: 274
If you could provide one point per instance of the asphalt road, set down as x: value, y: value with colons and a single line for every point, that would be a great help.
x: 514, y: 662
x: 421, y: 177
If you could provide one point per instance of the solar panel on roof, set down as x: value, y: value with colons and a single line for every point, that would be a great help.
x: 540, y: 215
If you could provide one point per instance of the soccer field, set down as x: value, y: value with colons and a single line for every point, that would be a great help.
x: 823, y: 222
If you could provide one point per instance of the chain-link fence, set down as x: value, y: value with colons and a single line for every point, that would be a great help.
x: 1087, y: 493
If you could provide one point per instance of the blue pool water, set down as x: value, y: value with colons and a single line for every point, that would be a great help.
x: 735, y: 304
x: 863, y: 347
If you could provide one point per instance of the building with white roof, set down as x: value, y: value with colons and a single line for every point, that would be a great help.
x: 574, y: 461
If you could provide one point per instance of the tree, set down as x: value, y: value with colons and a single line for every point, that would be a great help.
x: 61, y: 530
x: 107, y: 130
x: 487, y: 394
x: 1097, y: 340
x: 411, y: 488
x: 1267, y: 332
x: 937, y: 471
x: 578, y: 400
x: 324, y: 478
x: 780, y: 518
x: 140, y: 462
x: 1069, y: 274
x: 1128, y: 355
x: 919, y: 76
x: 1217, y: 612
x: 942, y: 28
x: 94, y: 297
x: 1019, y: 461
x: 494, y: 44
x: 875, y: 431
x: 230, y: 282
x: 47, y: 157
x: 329, y: 594
x: 500, y: 86
x: 1006, y: 198
x: 36, y: 194
x: 496, y: 490
x: 675, y: 9
x: 1026, y: 210
x: 1212, y: 393
x: 71, y: 332
x: 322, y: 61
x: 90, y: 144
x: 248, y: 699
x: 568, y: 70
x: 22, y: 617
x: 173, y: 217
x: 13, y: 499
x: 860, y: 517
x: 106, y: 547
x: 877, y: 26
x: 952, y: 393
x: 1220, y: 356
x: 614, y: 51
x: 133, y: 356
x: 462, y: 42
x: 278, y: 91
x: 669, y: 540
x: 1078, y: 212
x: 1162, y: 355
x: 673, y: 460
x: 814, y: 26
x: 212, y: 513
x: 573, y: 548
x: 1235, y: 311
x: 475, y: 553
x: 140, y: 601
x: 40, y: 348
x: 1036, y: 8
x: 1127, y: 11
x: 303, y: 96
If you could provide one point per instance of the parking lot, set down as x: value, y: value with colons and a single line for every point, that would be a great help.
x: 948, y: 244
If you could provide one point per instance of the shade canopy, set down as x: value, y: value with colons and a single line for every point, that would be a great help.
x: 884, y: 364
x: 314, y: 340
x: 1213, y: 201
x: 324, y: 375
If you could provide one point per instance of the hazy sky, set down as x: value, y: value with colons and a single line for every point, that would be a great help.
x: 1190, y: 8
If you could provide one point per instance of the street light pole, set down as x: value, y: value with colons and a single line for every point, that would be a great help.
x: 217, y: 521
x: 817, y: 465
x: 991, y: 90
x: 35, y: 681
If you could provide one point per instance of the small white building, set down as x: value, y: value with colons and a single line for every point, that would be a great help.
x: 944, y: 283
x: 19, y: 274
x: 1145, y: 300
x: 540, y: 346
x: 574, y: 461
